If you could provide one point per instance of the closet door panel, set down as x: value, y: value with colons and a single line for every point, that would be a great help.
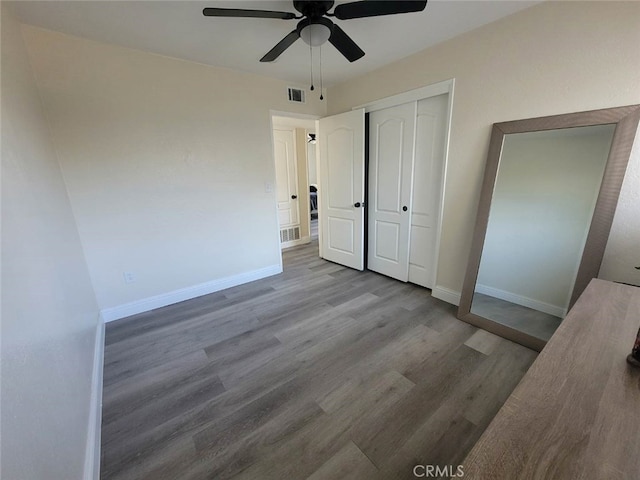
x: 388, y: 167
x: 391, y: 145
x: 428, y: 171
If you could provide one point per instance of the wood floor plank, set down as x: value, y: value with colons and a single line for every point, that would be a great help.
x: 162, y: 399
x: 389, y: 433
x: 320, y: 372
x: 252, y: 447
x: 351, y: 391
x: 131, y: 385
x: 326, y: 324
x: 349, y: 463
x: 477, y: 398
x: 161, y: 466
x: 483, y: 341
x: 222, y: 433
x: 302, y: 453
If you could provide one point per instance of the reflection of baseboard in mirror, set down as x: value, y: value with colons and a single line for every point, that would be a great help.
x: 532, y: 303
x: 549, y: 194
x: 528, y: 320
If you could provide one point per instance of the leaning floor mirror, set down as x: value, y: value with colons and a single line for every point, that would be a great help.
x: 550, y: 191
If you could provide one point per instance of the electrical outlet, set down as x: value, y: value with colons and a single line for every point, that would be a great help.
x: 129, y: 277
x: 268, y: 187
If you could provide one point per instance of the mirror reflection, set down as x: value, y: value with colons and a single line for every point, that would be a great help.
x: 543, y: 202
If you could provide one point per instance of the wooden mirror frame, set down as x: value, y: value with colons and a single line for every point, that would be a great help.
x: 626, y: 124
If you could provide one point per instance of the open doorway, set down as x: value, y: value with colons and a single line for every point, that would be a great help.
x: 294, y: 149
x: 313, y: 183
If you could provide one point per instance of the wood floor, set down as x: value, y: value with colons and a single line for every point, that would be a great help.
x: 321, y: 372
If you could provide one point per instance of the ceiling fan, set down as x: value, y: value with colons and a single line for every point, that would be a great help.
x: 315, y: 28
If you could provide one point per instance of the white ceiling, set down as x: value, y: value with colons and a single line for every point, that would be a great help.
x: 178, y: 29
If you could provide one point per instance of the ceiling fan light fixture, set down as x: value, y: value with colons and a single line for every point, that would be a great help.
x: 315, y: 34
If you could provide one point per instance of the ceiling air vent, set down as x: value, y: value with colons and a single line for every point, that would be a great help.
x: 295, y: 95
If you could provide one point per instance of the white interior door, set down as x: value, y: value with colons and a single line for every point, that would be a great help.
x: 341, y: 188
x: 286, y: 178
x: 427, y: 181
x: 391, y: 145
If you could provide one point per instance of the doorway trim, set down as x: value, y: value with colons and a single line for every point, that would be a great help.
x: 441, y: 88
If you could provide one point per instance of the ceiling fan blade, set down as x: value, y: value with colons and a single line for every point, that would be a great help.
x: 237, y: 12
x: 345, y: 45
x: 374, y: 8
x: 282, y: 45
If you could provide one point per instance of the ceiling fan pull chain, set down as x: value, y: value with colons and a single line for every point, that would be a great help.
x: 311, y: 55
x: 321, y: 96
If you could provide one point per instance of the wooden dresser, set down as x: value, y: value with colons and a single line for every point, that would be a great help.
x: 576, y: 412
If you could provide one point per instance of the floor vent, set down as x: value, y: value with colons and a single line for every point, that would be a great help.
x: 289, y: 234
x: 295, y: 95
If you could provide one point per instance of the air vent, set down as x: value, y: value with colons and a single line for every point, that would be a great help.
x: 296, y: 95
x: 289, y: 234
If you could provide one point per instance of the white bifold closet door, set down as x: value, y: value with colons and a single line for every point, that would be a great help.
x: 428, y: 172
x: 391, y: 143
x: 406, y: 161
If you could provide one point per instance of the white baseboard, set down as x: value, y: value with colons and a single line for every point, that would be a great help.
x: 92, y: 452
x: 522, y: 300
x: 449, y: 296
x: 180, y: 295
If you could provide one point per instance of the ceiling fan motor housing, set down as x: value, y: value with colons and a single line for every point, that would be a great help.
x: 312, y: 9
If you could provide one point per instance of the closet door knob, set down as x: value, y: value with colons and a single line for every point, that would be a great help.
x: 357, y: 204
x: 294, y: 197
x: 404, y: 209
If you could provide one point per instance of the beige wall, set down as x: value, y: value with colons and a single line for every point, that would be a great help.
x: 556, y: 57
x: 622, y: 255
x: 49, y: 311
x: 166, y: 163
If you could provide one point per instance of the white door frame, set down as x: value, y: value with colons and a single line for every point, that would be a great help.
x: 433, y: 90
